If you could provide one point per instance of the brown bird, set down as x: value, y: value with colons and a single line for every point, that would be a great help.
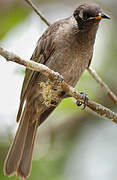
x: 67, y: 48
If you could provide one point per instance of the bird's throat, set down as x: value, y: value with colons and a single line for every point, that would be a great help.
x: 87, y: 33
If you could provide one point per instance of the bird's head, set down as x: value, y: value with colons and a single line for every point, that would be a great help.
x: 88, y: 14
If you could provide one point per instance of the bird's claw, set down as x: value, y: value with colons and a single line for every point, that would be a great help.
x: 59, y: 77
x: 86, y: 99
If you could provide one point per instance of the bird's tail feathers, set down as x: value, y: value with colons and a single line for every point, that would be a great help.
x: 19, y: 156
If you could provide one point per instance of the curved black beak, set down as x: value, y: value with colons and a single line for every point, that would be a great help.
x: 105, y: 16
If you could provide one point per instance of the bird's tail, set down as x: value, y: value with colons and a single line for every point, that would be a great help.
x: 19, y: 158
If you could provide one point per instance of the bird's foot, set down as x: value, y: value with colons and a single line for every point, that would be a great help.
x: 86, y: 99
x: 59, y: 77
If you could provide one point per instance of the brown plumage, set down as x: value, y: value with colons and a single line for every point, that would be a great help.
x: 67, y: 48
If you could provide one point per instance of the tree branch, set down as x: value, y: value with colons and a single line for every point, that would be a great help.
x: 105, y: 87
x: 90, y: 70
x: 99, y: 109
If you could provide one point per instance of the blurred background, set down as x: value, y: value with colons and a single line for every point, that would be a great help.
x: 72, y: 144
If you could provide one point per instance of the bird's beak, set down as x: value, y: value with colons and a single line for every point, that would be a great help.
x: 102, y: 16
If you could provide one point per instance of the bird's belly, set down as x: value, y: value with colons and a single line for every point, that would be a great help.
x: 70, y: 65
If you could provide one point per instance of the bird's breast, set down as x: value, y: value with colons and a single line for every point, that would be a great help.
x: 70, y: 61
x: 70, y: 57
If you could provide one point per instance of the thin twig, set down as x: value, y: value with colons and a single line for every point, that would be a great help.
x: 105, y: 87
x: 38, y: 13
x: 99, y: 109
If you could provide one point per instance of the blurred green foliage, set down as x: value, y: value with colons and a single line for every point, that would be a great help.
x: 11, y: 18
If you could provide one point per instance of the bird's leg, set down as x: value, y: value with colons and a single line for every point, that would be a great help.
x: 86, y: 99
x: 59, y: 81
x: 59, y: 77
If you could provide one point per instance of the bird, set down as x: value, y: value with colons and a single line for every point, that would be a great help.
x: 67, y: 48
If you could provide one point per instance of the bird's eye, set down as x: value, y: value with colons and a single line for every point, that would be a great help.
x: 84, y: 15
x: 81, y: 14
x: 87, y: 15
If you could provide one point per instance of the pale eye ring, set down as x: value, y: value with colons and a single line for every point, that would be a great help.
x: 81, y: 14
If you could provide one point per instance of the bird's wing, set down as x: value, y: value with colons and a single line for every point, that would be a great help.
x: 45, y: 47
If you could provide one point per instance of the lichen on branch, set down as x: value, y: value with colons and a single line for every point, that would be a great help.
x: 53, y: 76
